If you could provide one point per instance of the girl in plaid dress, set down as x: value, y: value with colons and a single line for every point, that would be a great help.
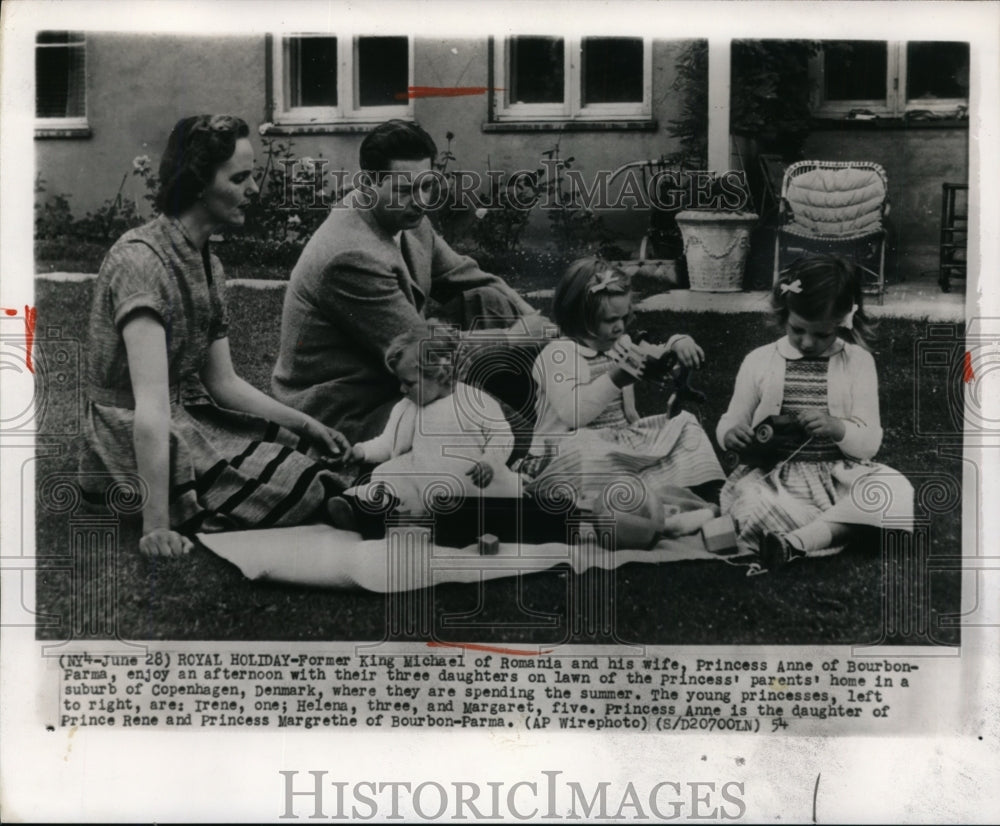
x: 823, y: 374
x: 163, y: 399
x: 587, y: 424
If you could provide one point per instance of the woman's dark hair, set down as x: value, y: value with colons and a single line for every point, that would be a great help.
x: 823, y: 287
x: 577, y: 300
x: 196, y: 148
x: 394, y: 140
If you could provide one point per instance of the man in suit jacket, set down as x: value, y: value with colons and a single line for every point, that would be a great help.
x: 368, y: 274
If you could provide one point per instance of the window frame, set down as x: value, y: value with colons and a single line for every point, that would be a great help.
x: 347, y: 110
x: 895, y: 104
x: 64, y: 126
x: 571, y: 110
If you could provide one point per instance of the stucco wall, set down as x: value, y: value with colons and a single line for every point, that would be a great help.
x: 137, y: 88
x: 916, y: 159
x: 139, y: 85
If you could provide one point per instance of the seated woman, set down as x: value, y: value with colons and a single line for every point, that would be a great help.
x: 164, y: 400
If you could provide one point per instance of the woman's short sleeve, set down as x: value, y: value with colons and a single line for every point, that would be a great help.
x: 219, y: 325
x: 136, y: 281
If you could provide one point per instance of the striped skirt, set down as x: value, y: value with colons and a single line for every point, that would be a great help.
x: 228, y: 470
x: 795, y: 494
x: 664, y: 453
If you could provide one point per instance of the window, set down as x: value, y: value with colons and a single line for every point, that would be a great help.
x: 890, y: 79
x: 558, y: 79
x: 60, y: 80
x: 325, y: 79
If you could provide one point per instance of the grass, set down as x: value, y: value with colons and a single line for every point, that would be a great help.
x: 837, y: 600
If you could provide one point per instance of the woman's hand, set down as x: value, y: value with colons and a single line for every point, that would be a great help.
x: 164, y: 542
x: 334, y: 441
x: 818, y: 423
x: 688, y: 352
x: 738, y: 437
x: 481, y: 474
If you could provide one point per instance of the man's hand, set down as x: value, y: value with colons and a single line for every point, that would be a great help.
x: 819, y: 423
x: 738, y: 437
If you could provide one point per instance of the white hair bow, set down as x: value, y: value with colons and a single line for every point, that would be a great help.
x: 848, y: 321
x: 608, y: 278
x: 794, y: 287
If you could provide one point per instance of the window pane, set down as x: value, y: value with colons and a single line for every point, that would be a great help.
x: 383, y: 70
x: 59, y: 37
x: 612, y: 70
x: 537, y: 70
x: 854, y: 69
x: 60, y: 81
x: 937, y: 70
x: 312, y: 71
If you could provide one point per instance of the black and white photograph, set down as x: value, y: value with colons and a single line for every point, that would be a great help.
x: 614, y: 379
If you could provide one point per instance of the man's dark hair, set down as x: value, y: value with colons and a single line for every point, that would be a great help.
x: 395, y: 140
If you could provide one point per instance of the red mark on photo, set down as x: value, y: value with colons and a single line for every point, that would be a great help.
x: 444, y: 91
x: 492, y: 649
x: 967, y: 374
x: 30, y: 317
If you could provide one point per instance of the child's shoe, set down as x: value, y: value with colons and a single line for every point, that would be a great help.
x: 776, y: 552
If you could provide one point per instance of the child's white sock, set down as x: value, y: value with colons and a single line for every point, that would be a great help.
x: 812, y: 537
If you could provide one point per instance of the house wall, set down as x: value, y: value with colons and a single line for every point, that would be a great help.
x: 139, y: 85
x: 137, y: 88
x: 917, y: 159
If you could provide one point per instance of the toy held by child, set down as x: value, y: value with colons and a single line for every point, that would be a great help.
x: 587, y: 422
x: 822, y: 373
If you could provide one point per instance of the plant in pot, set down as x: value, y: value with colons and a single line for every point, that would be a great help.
x: 769, y: 115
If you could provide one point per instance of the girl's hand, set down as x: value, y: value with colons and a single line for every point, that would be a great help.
x: 334, y: 441
x: 688, y: 352
x: 738, y: 437
x: 357, y: 453
x: 818, y: 423
x: 481, y: 474
x: 164, y: 542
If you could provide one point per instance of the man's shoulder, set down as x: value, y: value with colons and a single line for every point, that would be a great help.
x: 344, y: 238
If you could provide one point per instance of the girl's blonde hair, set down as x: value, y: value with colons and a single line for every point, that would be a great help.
x: 579, y: 294
x: 824, y: 287
x: 437, y: 351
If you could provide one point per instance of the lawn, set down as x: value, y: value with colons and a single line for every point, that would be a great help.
x: 836, y: 600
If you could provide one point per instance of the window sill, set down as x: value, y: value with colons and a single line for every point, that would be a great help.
x: 344, y: 128
x: 639, y: 125
x: 886, y: 122
x: 46, y: 132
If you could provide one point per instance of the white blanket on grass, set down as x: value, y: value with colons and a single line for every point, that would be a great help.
x: 327, y: 557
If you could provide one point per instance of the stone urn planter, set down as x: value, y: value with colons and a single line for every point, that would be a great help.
x: 716, y: 244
